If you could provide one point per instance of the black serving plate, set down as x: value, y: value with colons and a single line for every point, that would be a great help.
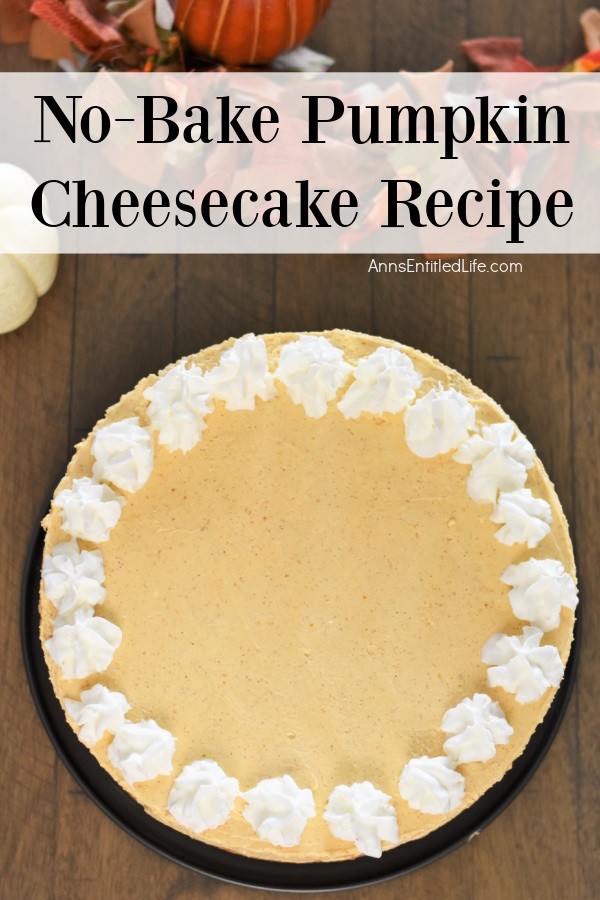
x: 201, y: 857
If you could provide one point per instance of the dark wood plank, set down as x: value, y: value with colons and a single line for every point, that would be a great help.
x: 520, y: 338
x: 221, y: 297
x: 550, y: 31
x: 321, y: 292
x: 346, y: 34
x: 124, y: 329
x: 585, y: 356
x: 14, y: 58
x: 35, y: 379
x: 418, y: 37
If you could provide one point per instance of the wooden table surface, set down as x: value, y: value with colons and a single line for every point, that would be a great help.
x: 531, y: 340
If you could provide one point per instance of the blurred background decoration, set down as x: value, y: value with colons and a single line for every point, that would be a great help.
x: 196, y: 35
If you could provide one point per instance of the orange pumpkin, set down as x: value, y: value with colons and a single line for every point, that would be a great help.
x: 247, y: 32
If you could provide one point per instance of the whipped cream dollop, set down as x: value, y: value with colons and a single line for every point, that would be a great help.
x: 96, y: 712
x: 202, y: 796
x: 385, y: 381
x: 525, y: 519
x: 124, y: 454
x: 362, y: 814
x: 73, y: 579
x: 278, y: 810
x: 520, y: 666
x: 85, y: 645
x: 539, y: 588
x: 89, y: 510
x: 142, y: 750
x: 313, y: 371
x: 499, y: 459
x: 242, y: 374
x: 438, y: 422
x: 432, y: 785
x: 476, y: 726
x: 180, y: 400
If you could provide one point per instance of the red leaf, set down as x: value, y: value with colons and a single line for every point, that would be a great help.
x: 496, y: 54
x: 85, y: 22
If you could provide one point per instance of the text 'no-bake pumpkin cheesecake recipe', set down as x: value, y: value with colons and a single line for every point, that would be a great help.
x: 306, y: 596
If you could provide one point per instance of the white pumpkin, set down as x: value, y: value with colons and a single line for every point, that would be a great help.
x: 23, y: 276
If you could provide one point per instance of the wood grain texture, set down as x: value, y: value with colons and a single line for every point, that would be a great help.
x: 440, y: 27
x: 532, y: 340
x: 509, y: 326
x: 347, y: 34
x: 33, y: 450
x: 585, y: 393
x: 140, y: 293
x: 209, y: 291
x: 317, y: 293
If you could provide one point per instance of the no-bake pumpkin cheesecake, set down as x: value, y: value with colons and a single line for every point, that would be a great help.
x: 306, y: 596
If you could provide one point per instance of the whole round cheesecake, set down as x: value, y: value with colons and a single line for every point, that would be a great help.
x: 306, y: 596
